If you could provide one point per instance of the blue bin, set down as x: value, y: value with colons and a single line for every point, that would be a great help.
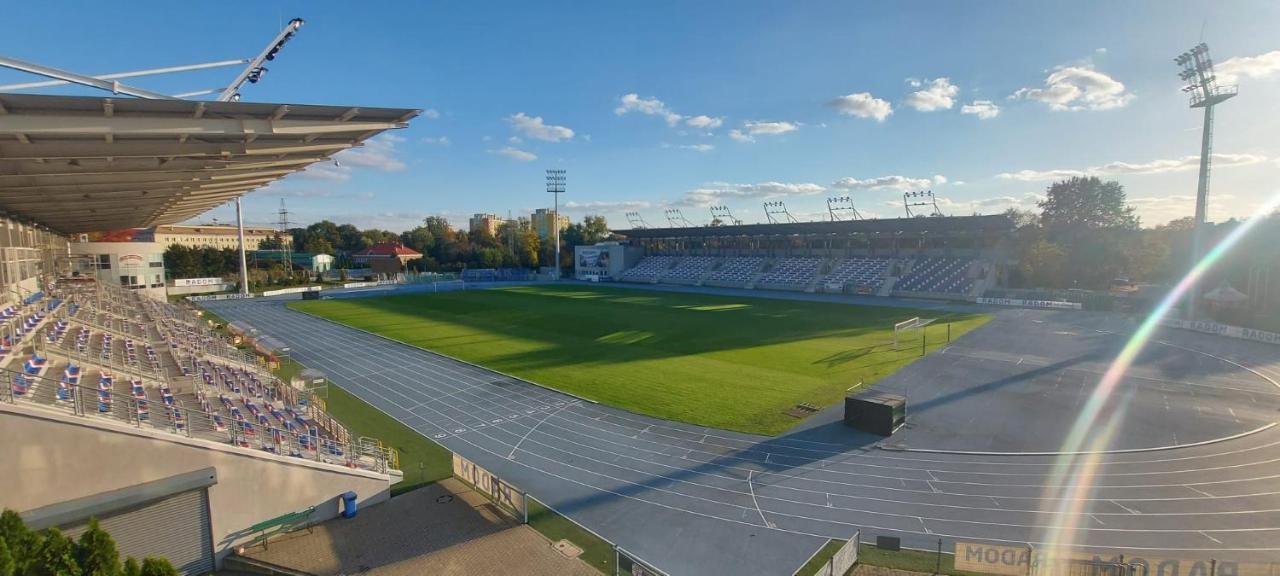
x: 349, y: 505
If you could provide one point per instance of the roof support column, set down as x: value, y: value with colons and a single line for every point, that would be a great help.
x: 244, y: 266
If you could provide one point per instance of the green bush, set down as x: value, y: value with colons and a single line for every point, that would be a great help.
x: 50, y: 552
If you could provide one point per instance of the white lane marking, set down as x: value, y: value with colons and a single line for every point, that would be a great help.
x: 1126, y: 508
x: 1095, y: 519
x: 1193, y: 488
x: 531, y: 429
x: 752, y: 489
x: 1210, y: 537
x: 447, y: 369
x: 490, y: 437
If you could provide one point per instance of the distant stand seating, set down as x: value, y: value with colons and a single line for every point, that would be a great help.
x: 496, y: 275
x: 737, y: 270
x: 649, y: 269
x: 795, y: 273
x: 938, y: 276
x: 858, y: 272
x: 690, y: 269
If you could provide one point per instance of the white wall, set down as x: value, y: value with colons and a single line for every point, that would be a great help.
x: 50, y: 457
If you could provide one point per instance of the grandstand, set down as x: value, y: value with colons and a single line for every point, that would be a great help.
x: 939, y: 257
x: 134, y: 410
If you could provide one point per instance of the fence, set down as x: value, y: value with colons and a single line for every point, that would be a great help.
x: 840, y: 562
x: 598, y: 551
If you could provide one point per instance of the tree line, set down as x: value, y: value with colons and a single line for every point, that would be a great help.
x: 1086, y: 236
x: 515, y: 244
x: 49, y: 552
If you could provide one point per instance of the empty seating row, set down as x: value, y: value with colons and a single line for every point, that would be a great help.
x: 737, y: 269
x: 937, y: 275
x: 649, y: 268
x: 861, y: 271
x: 792, y: 272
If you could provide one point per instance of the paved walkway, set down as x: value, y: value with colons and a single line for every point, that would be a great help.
x: 441, y: 529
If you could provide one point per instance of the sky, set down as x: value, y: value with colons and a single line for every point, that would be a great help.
x: 676, y: 105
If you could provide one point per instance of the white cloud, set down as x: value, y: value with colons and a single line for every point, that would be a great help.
x: 902, y: 183
x: 1128, y: 168
x: 752, y: 128
x: 939, y: 179
x: 378, y: 153
x: 649, y: 106
x: 714, y: 192
x: 1160, y: 209
x: 1230, y: 71
x: 436, y: 140
x: 431, y: 113
x: 862, y: 105
x: 704, y: 122
x: 1077, y: 87
x: 514, y: 140
x: 939, y: 95
x: 331, y: 171
x: 983, y: 109
x: 606, y: 205
x: 516, y: 154
x: 534, y: 127
x: 699, y: 147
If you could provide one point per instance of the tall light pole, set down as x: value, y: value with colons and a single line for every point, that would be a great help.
x: 1197, y: 72
x: 555, y: 185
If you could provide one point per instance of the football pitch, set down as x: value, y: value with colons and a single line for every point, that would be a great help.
x: 735, y: 363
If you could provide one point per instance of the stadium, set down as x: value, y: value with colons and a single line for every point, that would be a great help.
x: 777, y: 398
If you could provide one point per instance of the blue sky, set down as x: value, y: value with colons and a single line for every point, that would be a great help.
x: 686, y: 104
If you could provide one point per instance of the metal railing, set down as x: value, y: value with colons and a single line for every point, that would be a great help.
x: 83, y: 401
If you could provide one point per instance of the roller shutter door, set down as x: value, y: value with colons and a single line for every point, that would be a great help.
x: 176, y: 527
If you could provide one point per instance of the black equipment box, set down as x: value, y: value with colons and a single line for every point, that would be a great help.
x: 875, y: 412
x: 311, y: 295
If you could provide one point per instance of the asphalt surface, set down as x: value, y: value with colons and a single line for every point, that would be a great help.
x: 693, y: 500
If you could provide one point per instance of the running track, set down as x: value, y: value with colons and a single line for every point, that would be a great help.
x: 694, y: 500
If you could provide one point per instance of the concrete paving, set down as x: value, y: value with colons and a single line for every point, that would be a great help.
x: 443, y: 529
x: 694, y: 500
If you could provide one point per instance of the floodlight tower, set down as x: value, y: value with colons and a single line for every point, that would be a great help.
x: 1197, y: 72
x: 252, y: 73
x: 555, y: 185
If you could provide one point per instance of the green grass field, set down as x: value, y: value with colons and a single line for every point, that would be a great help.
x: 728, y: 362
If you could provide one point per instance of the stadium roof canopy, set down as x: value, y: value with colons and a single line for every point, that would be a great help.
x: 996, y: 223
x: 81, y: 164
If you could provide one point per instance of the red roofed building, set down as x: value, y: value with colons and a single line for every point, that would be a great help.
x: 385, y: 255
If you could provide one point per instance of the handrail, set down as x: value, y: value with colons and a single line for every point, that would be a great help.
x: 182, y: 420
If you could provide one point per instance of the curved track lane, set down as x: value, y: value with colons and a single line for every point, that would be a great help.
x: 704, y: 501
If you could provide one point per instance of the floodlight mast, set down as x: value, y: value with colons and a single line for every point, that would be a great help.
x: 1202, y: 84
x: 555, y: 185
x: 253, y: 72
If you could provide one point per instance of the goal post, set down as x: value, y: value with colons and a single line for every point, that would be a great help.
x: 904, y: 332
x: 901, y: 328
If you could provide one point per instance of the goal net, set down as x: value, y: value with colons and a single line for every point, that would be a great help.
x: 905, y: 333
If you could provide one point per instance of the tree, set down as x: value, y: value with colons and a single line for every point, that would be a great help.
x: 54, y: 555
x: 8, y: 566
x: 317, y: 245
x: 158, y: 567
x: 272, y: 243
x: 594, y: 229
x: 1080, y: 204
x: 96, y: 552
x: 131, y: 567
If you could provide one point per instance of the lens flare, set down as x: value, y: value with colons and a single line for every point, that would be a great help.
x: 1072, y: 479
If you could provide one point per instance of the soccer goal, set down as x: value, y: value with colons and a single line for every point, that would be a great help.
x: 904, y: 332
